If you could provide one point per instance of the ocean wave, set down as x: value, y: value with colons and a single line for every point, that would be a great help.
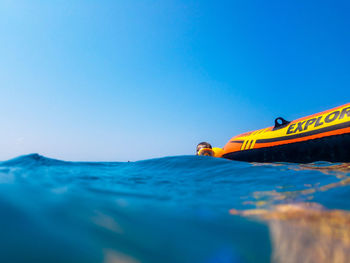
x: 171, y: 209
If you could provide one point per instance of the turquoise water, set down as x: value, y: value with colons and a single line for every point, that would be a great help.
x: 173, y: 209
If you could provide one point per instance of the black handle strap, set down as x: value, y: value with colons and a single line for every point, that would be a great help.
x: 280, y: 123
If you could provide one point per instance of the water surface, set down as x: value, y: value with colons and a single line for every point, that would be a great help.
x: 173, y: 209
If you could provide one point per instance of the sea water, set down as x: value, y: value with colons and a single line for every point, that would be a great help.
x: 173, y: 209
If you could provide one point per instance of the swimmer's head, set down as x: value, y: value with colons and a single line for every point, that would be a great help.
x: 203, y: 145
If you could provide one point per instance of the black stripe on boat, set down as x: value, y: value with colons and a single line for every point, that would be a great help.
x: 335, y: 148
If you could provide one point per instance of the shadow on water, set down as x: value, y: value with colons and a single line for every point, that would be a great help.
x: 173, y: 209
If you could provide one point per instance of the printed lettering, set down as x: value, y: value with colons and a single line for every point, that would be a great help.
x: 300, y: 126
x: 318, y: 122
x: 290, y: 128
x: 332, y: 116
x: 343, y: 112
x: 309, y: 122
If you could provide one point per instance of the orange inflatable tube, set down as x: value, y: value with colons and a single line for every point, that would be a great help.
x: 324, y: 136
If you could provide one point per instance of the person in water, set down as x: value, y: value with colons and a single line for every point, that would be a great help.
x: 206, y: 149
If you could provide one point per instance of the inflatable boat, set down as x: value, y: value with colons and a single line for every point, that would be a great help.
x: 323, y: 136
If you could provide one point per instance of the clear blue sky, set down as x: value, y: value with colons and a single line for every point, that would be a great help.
x: 137, y: 79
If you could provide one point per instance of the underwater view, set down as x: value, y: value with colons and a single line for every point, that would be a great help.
x: 173, y: 209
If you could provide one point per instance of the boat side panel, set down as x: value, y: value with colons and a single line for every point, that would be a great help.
x: 331, y: 122
x: 334, y: 148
